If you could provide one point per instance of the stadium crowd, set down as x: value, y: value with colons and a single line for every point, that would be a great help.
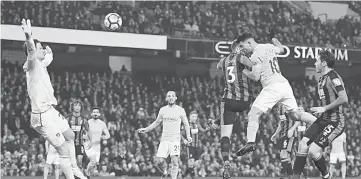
x: 128, y: 102
x: 213, y: 19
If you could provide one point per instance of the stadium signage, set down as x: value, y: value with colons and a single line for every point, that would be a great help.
x: 297, y: 52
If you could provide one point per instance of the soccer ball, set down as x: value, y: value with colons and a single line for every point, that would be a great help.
x: 113, y: 22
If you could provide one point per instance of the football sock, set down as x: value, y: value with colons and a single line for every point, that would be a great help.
x: 65, y: 166
x: 225, y: 147
x: 76, y: 170
x: 174, y: 171
x: 46, y: 171
x: 289, y: 168
x: 343, y: 170
x: 320, y: 163
x: 284, y: 168
x: 252, y: 129
x: 299, y: 165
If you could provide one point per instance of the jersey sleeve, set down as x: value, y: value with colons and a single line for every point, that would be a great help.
x: 276, y: 49
x: 336, y: 83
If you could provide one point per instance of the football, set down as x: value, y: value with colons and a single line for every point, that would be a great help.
x: 113, y: 22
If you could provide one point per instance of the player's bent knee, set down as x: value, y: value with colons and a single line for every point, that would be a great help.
x: 315, y: 151
x: 303, y: 145
x: 284, y: 155
x: 226, y: 130
x: 63, y: 149
x: 174, y: 160
x: 254, y: 114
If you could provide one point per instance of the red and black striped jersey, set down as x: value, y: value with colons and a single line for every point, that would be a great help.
x: 237, y: 85
x: 77, y: 124
x: 328, y: 87
x: 194, y: 134
x: 285, y: 122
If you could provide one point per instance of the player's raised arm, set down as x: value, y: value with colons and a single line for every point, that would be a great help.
x: 255, y: 74
x: 278, y: 46
x: 186, y: 125
x: 29, y: 46
x: 155, y: 124
x: 277, y: 132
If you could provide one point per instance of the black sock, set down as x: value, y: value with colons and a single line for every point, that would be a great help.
x: 284, y: 168
x: 299, y: 165
x: 321, y: 165
x: 305, y: 174
x: 191, y: 171
x: 225, y: 146
x: 289, y: 169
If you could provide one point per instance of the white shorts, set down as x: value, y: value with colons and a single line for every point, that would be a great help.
x: 49, y: 124
x: 274, y: 93
x: 167, y: 148
x: 52, y: 158
x: 334, y: 157
x: 93, y: 151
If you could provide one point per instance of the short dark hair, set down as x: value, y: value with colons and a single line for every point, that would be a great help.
x: 244, y: 36
x: 328, y: 57
x: 25, y: 48
x: 94, y: 108
x: 193, y: 112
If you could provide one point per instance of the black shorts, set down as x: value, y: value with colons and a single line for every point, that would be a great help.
x: 286, y: 143
x: 194, y: 152
x: 79, y: 150
x: 229, y: 108
x: 323, y: 133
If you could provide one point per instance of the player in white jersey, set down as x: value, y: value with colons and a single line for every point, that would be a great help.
x: 46, y: 120
x: 338, y: 153
x: 171, y: 116
x: 276, y: 88
x: 52, y: 158
x: 98, y: 131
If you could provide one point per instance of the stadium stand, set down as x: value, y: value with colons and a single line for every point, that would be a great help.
x: 128, y: 153
x: 223, y: 20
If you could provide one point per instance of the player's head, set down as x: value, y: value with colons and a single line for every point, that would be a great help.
x: 77, y: 106
x: 40, y: 50
x: 193, y: 116
x: 171, y: 97
x: 247, y: 42
x: 324, y: 59
x: 95, y: 113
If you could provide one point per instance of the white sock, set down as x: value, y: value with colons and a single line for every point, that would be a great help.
x: 65, y: 166
x: 76, y: 170
x: 252, y: 129
x: 174, y: 172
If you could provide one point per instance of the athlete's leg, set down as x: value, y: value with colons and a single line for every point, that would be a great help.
x: 303, y: 147
x: 47, y: 167
x: 49, y: 129
x: 69, y: 137
x: 56, y: 171
x: 343, y: 169
x: 80, y: 159
x: 175, y: 166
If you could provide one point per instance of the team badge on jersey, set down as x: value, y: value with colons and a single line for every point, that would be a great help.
x: 336, y: 82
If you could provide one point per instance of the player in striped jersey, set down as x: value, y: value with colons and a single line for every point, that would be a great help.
x: 237, y: 97
x: 331, y: 121
x: 193, y: 150
x: 286, y: 132
x: 80, y: 126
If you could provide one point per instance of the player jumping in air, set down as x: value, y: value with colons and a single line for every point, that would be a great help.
x: 97, y: 128
x: 79, y: 124
x: 237, y: 97
x: 276, y: 88
x: 52, y: 158
x: 286, y: 133
x: 45, y: 119
x: 330, y: 122
x: 338, y: 153
x: 194, y: 150
x: 171, y: 116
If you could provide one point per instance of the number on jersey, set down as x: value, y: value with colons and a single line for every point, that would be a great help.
x: 231, y: 77
x: 274, y: 65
